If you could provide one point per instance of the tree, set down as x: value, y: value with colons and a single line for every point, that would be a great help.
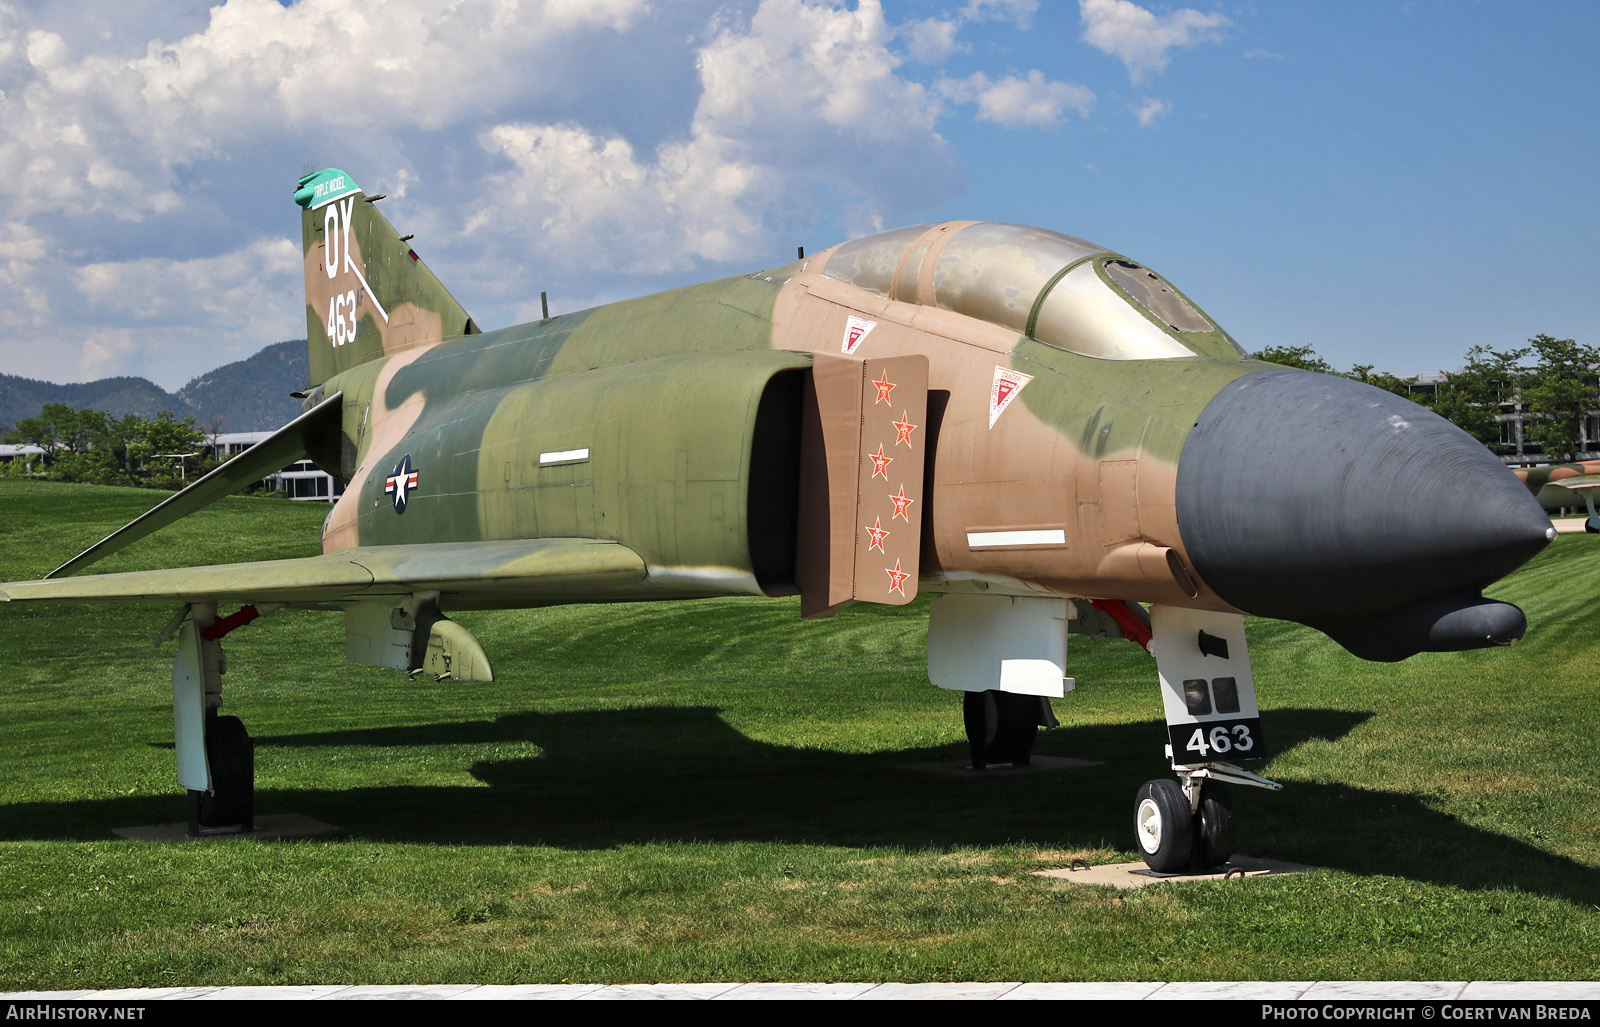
x: 154, y: 447
x: 91, y: 446
x: 1308, y: 359
x: 1471, y: 396
x: 1382, y: 380
x: 1303, y: 357
x: 59, y: 428
x: 1559, y: 392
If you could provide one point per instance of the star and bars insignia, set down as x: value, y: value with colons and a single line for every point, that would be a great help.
x: 401, y: 482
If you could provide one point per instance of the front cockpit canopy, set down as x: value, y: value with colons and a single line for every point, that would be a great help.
x: 1061, y: 291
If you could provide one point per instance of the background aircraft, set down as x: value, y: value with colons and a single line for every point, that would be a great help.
x: 1043, y: 433
x: 1565, y: 486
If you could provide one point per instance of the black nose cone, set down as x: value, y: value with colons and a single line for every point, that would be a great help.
x: 1326, y: 501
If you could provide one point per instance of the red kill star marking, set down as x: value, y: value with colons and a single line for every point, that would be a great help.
x: 902, y: 503
x: 897, y: 578
x: 880, y: 463
x: 903, y: 429
x: 878, y: 535
x: 885, y: 386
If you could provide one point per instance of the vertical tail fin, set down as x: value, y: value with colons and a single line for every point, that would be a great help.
x: 367, y: 293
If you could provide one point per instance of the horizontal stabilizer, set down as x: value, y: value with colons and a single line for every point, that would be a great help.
x: 280, y: 449
x: 520, y: 572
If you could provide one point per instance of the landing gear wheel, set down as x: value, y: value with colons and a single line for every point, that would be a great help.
x: 1591, y: 527
x: 232, y: 755
x: 1002, y: 726
x: 1216, y: 834
x: 1162, y: 824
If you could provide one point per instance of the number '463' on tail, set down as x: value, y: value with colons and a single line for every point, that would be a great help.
x: 367, y: 292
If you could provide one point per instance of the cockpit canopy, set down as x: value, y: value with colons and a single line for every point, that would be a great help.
x: 1062, y: 291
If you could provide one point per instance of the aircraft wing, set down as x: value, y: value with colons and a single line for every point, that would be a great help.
x: 1579, y: 484
x: 283, y: 447
x: 520, y: 572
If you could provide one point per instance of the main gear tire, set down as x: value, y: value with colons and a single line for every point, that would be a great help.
x: 231, y: 753
x: 1001, y: 727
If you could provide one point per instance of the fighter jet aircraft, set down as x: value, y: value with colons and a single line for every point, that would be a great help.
x: 1043, y: 433
x: 1563, y: 486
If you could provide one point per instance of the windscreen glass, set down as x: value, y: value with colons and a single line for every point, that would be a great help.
x: 1082, y: 314
x: 1156, y: 296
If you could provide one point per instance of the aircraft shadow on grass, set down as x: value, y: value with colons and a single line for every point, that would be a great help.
x: 666, y: 774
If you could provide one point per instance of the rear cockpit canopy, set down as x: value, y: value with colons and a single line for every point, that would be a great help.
x: 1061, y: 291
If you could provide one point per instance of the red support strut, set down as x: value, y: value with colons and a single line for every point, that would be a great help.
x: 1133, y: 629
x: 236, y: 620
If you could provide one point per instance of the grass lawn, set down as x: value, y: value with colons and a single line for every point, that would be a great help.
x: 714, y: 791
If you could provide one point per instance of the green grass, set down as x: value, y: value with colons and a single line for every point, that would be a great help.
x: 714, y: 791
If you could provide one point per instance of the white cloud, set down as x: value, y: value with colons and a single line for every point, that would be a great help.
x: 1147, y: 111
x: 110, y: 131
x: 933, y: 40
x: 218, y: 292
x: 804, y: 96
x: 1019, y: 11
x: 23, y: 249
x: 1144, y: 41
x: 167, y: 318
x: 803, y: 65
x: 148, y: 148
x: 1015, y: 102
x: 593, y: 200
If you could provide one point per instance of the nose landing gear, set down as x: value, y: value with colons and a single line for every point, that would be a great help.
x: 1188, y: 826
x: 1209, y: 697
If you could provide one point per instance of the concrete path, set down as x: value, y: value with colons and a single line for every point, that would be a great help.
x: 1310, y: 991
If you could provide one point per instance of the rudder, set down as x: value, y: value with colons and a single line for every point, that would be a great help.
x: 367, y: 292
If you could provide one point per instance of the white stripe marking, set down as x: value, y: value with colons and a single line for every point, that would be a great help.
x: 565, y: 456
x: 347, y: 214
x: 1034, y: 537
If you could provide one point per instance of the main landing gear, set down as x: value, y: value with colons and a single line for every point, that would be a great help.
x: 216, y: 756
x: 231, y: 801
x: 1002, y: 726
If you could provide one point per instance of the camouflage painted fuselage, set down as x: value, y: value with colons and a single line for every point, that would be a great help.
x: 1086, y: 432
x: 661, y: 395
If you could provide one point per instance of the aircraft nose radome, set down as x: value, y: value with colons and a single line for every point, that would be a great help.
x: 1326, y: 501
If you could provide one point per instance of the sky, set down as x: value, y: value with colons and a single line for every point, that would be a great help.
x: 1391, y: 183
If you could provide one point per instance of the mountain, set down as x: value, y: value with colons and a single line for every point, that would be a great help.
x: 25, y: 397
x: 251, y: 394
x: 246, y: 395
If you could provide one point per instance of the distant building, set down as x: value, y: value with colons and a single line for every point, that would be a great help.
x: 300, y: 480
x: 9, y: 452
x: 1524, y: 451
